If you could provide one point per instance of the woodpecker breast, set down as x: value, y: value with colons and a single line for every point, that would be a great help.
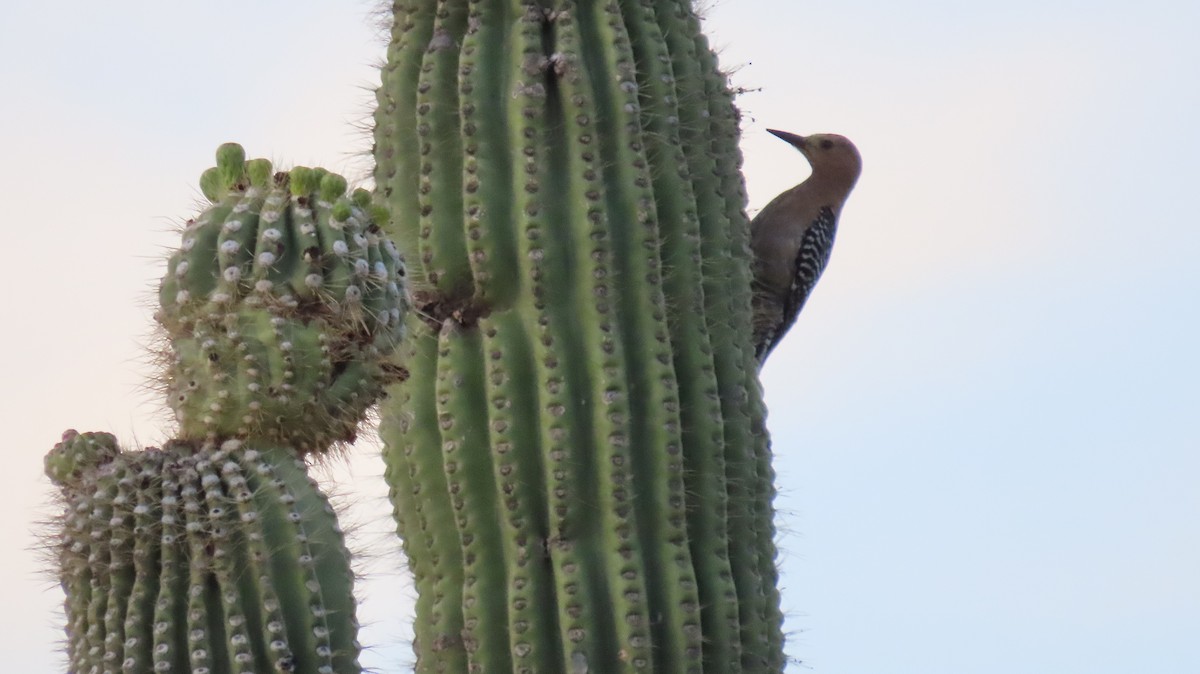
x: 792, y: 237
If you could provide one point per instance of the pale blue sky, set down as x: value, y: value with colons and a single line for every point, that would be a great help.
x: 987, y: 421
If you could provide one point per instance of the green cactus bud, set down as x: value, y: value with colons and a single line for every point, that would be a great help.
x: 211, y: 185
x: 332, y: 187
x: 231, y: 164
x: 361, y: 198
x: 282, y: 307
x: 380, y: 215
x: 303, y: 181
x: 259, y: 171
x: 341, y: 211
x: 187, y: 558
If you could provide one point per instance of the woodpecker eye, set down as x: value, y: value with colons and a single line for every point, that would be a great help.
x: 826, y: 144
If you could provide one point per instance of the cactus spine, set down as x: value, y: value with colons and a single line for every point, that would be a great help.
x: 217, y: 553
x: 579, y: 463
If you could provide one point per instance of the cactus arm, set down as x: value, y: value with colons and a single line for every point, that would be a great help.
x: 278, y: 325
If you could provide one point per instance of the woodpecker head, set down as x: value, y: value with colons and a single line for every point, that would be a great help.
x: 833, y: 157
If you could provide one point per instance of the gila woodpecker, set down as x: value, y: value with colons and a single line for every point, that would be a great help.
x: 792, y: 236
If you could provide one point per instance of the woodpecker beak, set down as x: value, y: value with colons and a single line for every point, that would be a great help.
x: 790, y: 138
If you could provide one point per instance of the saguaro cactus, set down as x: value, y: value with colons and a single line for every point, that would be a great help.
x: 217, y: 553
x: 578, y: 464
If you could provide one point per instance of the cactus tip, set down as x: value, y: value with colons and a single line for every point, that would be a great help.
x: 210, y: 185
x: 302, y: 181
x: 78, y: 452
x: 231, y: 162
x: 332, y: 186
x: 341, y: 210
x: 361, y: 198
x: 259, y: 171
x: 380, y: 215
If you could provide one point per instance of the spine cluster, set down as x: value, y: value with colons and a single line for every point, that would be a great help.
x: 578, y: 464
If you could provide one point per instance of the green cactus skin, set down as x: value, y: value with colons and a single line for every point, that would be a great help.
x: 282, y: 307
x: 579, y: 463
x: 200, y: 559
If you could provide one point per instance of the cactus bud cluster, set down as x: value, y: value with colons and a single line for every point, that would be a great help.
x: 282, y: 306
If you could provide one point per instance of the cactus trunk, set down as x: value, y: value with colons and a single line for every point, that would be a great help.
x: 578, y: 462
